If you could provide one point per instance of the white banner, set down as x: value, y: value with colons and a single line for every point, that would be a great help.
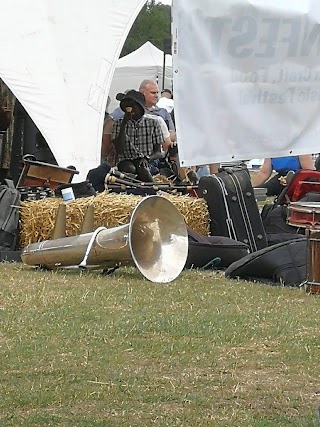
x: 58, y: 58
x: 246, y: 78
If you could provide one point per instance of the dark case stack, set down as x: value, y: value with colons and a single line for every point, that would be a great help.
x: 233, y: 207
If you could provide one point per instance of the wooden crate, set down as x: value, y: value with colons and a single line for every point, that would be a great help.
x: 40, y: 174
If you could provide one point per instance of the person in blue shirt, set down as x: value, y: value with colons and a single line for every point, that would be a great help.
x: 150, y: 90
x: 280, y: 165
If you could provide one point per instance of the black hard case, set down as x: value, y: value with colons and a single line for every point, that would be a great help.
x: 233, y: 208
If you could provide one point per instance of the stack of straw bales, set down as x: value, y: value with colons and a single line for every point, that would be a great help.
x: 110, y: 210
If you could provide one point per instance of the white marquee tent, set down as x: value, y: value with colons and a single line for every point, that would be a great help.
x: 58, y: 58
x: 144, y: 63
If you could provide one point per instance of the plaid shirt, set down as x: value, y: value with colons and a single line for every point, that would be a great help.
x: 141, y: 137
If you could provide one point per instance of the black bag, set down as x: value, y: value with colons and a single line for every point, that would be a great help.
x: 97, y: 176
x: 168, y: 168
x: 274, y: 219
x: 281, y: 264
x: 80, y: 189
x: 232, y: 206
x: 275, y: 238
x: 312, y: 196
x: 204, y: 249
x: 9, y: 215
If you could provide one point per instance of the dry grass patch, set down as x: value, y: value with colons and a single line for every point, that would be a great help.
x: 79, y: 349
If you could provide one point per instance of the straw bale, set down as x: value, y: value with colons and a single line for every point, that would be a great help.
x: 37, y: 217
x: 162, y: 179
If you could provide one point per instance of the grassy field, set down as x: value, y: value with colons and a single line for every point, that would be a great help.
x: 79, y: 349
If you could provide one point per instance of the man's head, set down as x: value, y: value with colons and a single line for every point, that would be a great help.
x: 133, y: 103
x: 166, y: 93
x: 150, y: 90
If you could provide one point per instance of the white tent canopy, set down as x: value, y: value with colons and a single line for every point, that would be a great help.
x: 144, y: 63
x: 58, y: 58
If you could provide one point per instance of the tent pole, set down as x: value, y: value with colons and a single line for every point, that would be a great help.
x: 163, y: 69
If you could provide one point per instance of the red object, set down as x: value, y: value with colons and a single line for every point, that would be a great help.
x: 305, y: 215
x: 303, y: 182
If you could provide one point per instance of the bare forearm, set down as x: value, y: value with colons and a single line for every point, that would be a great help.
x: 105, y: 146
x: 120, y: 140
x: 214, y: 167
x: 167, y: 143
x: 306, y: 161
x: 259, y: 179
x: 173, y: 136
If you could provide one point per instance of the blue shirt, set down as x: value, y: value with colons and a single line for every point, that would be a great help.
x: 162, y: 112
x: 117, y: 114
x: 283, y: 165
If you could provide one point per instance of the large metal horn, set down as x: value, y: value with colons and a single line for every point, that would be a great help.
x: 155, y: 239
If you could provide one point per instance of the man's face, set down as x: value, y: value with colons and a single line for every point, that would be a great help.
x: 132, y: 109
x: 151, y: 94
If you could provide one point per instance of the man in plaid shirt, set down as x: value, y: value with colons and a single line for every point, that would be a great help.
x: 137, y: 138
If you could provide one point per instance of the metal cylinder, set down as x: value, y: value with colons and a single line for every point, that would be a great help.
x: 312, y: 282
x: 156, y: 240
x: 110, y: 245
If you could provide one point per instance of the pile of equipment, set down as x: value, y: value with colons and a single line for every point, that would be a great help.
x: 217, y: 222
x: 125, y: 182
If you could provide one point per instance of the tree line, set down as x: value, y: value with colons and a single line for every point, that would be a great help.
x: 152, y: 24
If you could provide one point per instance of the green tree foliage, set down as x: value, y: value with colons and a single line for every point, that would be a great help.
x: 152, y: 24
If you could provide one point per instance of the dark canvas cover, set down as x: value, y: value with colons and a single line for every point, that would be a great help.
x: 275, y: 238
x: 204, y: 249
x: 275, y: 221
x: 9, y: 215
x: 281, y: 264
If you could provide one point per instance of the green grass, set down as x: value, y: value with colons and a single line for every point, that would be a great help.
x: 80, y: 349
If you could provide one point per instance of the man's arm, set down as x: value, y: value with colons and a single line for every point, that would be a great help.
x: 106, y: 138
x: 157, y: 138
x: 214, y: 167
x: 119, y: 134
x: 306, y: 161
x: 167, y: 143
x: 263, y: 174
x: 172, y: 128
x: 166, y: 133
